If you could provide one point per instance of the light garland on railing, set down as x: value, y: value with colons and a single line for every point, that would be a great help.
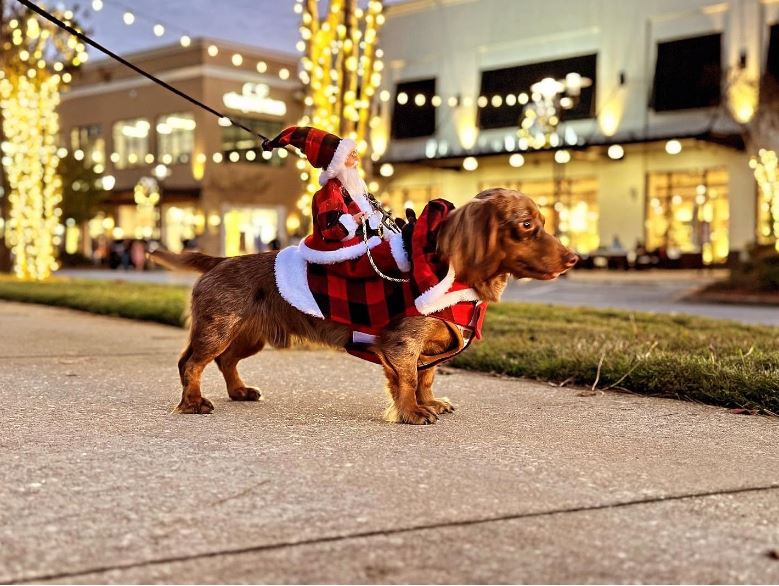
x: 35, y: 68
x: 764, y: 166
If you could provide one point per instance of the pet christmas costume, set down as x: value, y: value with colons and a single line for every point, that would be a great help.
x: 367, y: 306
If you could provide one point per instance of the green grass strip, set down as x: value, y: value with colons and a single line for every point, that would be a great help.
x: 710, y: 361
x: 159, y: 303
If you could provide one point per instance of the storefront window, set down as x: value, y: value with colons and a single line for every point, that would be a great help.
x: 183, y: 224
x: 413, y: 113
x: 138, y: 221
x: 175, y: 138
x: 570, y: 207
x: 688, y: 212
x: 409, y: 196
x: 240, y: 146
x: 131, y: 142
x: 250, y: 230
x: 89, y: 140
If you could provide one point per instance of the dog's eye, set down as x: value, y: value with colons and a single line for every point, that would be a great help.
x: 526, y: 224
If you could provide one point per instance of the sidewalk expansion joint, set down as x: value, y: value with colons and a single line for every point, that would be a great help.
x: 385, y: 532
x: 73, y: 356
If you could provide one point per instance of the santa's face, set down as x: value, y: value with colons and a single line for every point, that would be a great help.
x: 353, y: 160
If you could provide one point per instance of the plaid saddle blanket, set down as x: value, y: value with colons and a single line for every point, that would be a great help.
x: 368, y: 305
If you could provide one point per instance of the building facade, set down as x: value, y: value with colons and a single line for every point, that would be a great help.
x: 174, y: 173
x: 633, y: 140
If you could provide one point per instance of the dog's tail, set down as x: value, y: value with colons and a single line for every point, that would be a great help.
x: 193, y: 261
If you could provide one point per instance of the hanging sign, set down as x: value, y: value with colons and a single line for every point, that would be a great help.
x: 254, y: 97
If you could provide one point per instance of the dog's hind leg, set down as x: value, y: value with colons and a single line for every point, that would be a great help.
x: 204, y: 346
x: 425, y: 392
x: 241, y: 347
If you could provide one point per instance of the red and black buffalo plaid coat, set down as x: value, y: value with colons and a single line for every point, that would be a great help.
x: 368, y: 305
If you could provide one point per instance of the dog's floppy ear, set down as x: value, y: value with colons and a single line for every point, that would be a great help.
x: 469, y: 239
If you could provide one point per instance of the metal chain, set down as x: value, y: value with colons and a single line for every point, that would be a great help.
x: 370, y: 257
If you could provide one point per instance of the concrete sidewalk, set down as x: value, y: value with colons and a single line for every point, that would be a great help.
x: 99, y: 482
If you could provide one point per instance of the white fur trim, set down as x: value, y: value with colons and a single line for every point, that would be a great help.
x: 348, y: 222
x: 292, y: 281
x: 399, y: 253
x: 328, y: 257
x: 439, y: 297
x: 431, y: 295
x: 363, y: 203
x: 363, y: 338
x: 449, y: 299
x: 345, y: 147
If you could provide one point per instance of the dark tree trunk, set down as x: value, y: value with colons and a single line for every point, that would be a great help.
x: 5, y: 253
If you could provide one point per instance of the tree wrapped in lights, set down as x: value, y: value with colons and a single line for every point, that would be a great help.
x: 37, y: 60
x: 763, y: 139
x: 341, y: 69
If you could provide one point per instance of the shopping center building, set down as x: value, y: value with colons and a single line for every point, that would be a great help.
x: 643, y: 146
x: 173, y: 172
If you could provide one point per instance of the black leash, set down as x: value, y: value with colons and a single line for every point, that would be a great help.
x: 53, y: 19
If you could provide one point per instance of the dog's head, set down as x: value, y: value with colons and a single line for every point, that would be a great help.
x: 502, y: 232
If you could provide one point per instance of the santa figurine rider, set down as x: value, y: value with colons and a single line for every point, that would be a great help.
x: 347, y: 220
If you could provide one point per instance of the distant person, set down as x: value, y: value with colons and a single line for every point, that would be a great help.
x: 189, y: 244
x: 138, y: 254
x: 100, y: 250
x: 126, y: 261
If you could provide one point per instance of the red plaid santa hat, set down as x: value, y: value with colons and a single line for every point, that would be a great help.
x: 322, y: 149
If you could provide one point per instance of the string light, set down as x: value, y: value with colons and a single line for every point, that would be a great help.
x: 673, y: 147
x: 616, y: 152
x: 516, y: 160
x: 470, y: 163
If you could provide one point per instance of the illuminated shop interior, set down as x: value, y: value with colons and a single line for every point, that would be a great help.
x: 249, y: 230
x: 688, y: 212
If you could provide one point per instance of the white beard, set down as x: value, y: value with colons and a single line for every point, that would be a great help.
x: 352, y: 182
x: 355, y: 186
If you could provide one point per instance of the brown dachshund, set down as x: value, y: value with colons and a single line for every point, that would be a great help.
x: 237, y: 310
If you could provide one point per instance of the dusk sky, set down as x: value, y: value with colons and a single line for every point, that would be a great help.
x: 269, y: 24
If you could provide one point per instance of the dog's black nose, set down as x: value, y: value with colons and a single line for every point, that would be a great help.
x: 570, y: 259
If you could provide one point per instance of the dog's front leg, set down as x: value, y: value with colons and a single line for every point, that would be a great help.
x: 402, y: 387
x: 425, y: 392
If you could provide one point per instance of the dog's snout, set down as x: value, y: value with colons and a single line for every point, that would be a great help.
x: 570, y: 259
